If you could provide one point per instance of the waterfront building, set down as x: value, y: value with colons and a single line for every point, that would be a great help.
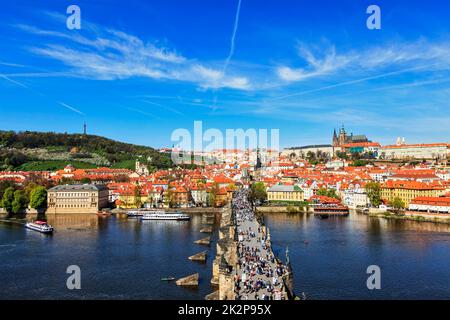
x: 78, y: 198
x: 355, y: 198
x: 408, y: 190
x: 181, y: 197
x: 282, y: 192
x: 199, y: 195
x: 222, y: 197
x: 430, y: 205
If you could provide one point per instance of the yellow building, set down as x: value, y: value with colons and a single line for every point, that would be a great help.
x: 409, y: 190
x: 285, y: 193
x: 77, y: 198
x: 129, y: 201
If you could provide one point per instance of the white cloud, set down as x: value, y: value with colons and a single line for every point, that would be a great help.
x: 434, y: 55
x: 108, y: 54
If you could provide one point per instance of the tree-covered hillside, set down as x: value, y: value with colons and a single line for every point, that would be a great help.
x: 19, y: 149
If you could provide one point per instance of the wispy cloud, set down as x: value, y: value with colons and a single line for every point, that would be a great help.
x: 233, y: 38
x: 371, y: 59
x: 316, y: 66
x: 109, y: 54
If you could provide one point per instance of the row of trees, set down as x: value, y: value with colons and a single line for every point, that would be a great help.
x: 16, y: 200
x: 113, y: 151
x: 258, y: 192
x: 328, y: 193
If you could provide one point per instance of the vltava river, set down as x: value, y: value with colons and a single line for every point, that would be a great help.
x: 124, y: 258
x: 119, y: 258
x: 330, y: 256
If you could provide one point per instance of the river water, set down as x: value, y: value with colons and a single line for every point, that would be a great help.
x: 124, y: 258
x: 330, y: 257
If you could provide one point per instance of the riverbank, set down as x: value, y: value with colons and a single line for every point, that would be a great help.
x: 412, y: 216
x: 193, y: 210
x: 408, y: 215
x: 283, y: 209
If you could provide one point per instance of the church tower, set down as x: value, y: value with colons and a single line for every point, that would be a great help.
x: 342, y: 136
x: 335, y: 139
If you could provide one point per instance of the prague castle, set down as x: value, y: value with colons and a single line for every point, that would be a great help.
x: 343, y: 139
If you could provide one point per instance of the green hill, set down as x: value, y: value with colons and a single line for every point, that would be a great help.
x: 49, y: 151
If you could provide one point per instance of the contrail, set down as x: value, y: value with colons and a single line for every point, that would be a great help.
x: 71, y: 108
x: 14, y: 81
x: 233, y: 37
x: 39, y: 93
x: 230, y: 54
x: 21, y: 85
x: 162, y: 106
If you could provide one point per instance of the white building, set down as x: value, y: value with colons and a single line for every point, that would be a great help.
x: 415, y: 151
x: 430, y: 204
x: 355, y: 198
x: 200, y: 196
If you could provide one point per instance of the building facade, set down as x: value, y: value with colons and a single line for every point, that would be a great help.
x: 415, y: 151
x: 78, y: 198
x: 285, y: 193
x: 430, y: 205
x: 409, y: 190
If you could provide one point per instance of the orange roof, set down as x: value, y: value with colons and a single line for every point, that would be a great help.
x: 413, y: 185
x: 439, y: 201
x: 361, y: 144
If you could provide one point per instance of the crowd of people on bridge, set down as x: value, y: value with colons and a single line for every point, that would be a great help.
x: 259, y: 274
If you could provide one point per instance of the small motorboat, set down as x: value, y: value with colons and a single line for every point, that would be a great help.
x: 104, y: 213
x: 39, y: 226
x: 168, y: 279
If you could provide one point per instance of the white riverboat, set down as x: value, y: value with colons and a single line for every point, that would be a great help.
x: 161, y: 215
x: 141, y: 213
x: 39, y: 226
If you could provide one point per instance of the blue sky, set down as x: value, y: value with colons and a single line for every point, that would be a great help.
x: 137, y: 70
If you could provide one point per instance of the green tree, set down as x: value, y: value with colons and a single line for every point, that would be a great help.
x: 85, y: 180
x: 5, y: 185
x: 373, y: 191
x: 38, y: 198
x: 328, y: 193
x: 258, y: 192
x: 397, y: 204
x: 342, y: 155
x: 137, y: 196
x: 213, y: 194
x: 20, y: 201
x: 7, y: 200
x: 360, y: 163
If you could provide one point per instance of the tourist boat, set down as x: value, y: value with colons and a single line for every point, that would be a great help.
x: 328, y: 210
x: 136, y: 213
x: 142, y: 212
x: 168, y: 279
x: 161, y: 215
x: 40, y: 226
